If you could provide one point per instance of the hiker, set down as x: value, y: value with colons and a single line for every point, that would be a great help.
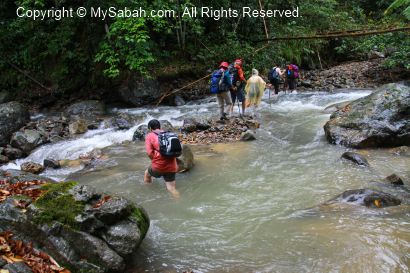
x: 255, y: 86
x: 292, y: 73
x: 160, y: 165
x: 238, y: 83
x: 274, y: 77
x: 221, y: 83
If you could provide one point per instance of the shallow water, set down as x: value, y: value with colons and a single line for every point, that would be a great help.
x: 255, y: 207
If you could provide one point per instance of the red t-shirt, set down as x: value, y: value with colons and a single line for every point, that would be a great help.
x: 158, y: 162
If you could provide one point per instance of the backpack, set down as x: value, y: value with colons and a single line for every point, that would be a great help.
x: 273, y: 75
x: 290, y: 73
x: 233, y: 71
x: 169, y: 144
x: 217, y: 84
x: 295, y: 69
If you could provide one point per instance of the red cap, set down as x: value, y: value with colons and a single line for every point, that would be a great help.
x: 238, y: 61
x: 224, y: 64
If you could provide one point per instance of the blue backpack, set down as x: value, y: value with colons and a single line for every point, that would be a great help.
x: 217, y: 79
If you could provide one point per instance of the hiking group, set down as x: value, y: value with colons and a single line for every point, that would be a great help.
x: 230, y: 78
x: 229, y: 85
x: 288, y: 77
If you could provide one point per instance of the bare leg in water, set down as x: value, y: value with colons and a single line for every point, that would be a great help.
x: 147, y: 178
x: 171, y: 186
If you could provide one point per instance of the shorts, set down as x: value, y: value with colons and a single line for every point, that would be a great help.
x: 238, y: 94
x: 168, y: 177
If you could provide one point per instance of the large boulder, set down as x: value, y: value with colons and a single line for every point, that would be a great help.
x: 186, y: 160
x: 88, y: 109
x: 27, y: 140
x: 13, y: 116
x: 140, y: 133
x: 381, y: 119
x: 58, y: 223
x: 137, y: 91
x: 367, y: 197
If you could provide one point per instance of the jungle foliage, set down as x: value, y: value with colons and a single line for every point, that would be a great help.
x: 74, y: 53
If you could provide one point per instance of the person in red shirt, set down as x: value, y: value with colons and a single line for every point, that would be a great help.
x: 160, y: 166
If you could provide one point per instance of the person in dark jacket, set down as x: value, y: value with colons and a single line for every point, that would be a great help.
x: 223, y: 95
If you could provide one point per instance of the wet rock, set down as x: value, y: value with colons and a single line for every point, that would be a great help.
x: 32, y: 167
x: 81, y: 251
x: 306, y: 83
x: 179, y: 101
x: 89, y: 223
x: 381, y: 119
x: 78, y: 127
x: 368, y: 198
x: 186, y: 160
x: 51, y: 163
x: 84, y: 193
x: 55, y: 138
x: 3, y: 159
x: 356, y: 158
x: 166, y: 126
x: 19, y: 267
x: 335, y: 107
x: 94, y: 249
x: 394, y: 179
x: 248, y: 136
x: 13, y: 153
x: 113, y: 210
x: 27, y: 140
x: 189, y: 125
x: 13, y: 116
x: 123, y: 237
x: 122, y: 124
x: 139, y: 91
x: 14, y: 176
x: 9, y: 212
x: 88, y: 109
x: 140, y: 133
x: 252, y: 124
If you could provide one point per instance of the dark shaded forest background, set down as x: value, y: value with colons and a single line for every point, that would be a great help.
x: 86, y: 55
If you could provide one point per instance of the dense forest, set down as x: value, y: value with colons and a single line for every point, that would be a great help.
x: 76, y: 54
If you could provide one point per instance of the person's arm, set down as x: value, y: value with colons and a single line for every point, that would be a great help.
x: 241, y: 75
x: 149, y: 147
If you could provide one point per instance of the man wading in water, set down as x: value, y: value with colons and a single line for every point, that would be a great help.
x: 160, y: 165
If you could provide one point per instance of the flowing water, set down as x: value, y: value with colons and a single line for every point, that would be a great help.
x: 255, y: 206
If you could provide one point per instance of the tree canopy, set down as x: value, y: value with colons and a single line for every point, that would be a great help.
x: 77, y: 52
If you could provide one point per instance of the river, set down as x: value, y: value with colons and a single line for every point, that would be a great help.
x: 253, y: 206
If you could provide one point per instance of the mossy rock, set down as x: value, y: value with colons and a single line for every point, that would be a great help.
x: 140, y: 216
x: 57, y: 204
